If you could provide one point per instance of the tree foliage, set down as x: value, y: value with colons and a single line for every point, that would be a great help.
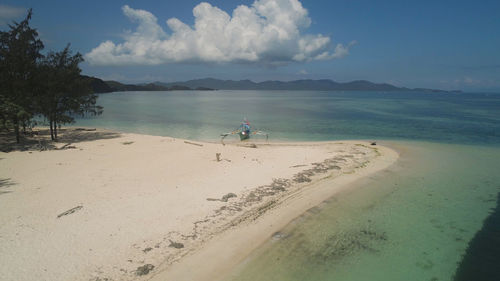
x: 64, y: 93
x: 19, y: 55
x: 36, y: 85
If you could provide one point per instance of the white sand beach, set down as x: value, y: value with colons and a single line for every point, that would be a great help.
x: 109, y: 206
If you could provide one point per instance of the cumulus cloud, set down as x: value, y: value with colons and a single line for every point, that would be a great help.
x: 267, y: 32
x: 9, y: 13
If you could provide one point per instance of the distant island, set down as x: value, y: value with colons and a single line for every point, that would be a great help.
x: 100, y: 86
x: 208, y: 84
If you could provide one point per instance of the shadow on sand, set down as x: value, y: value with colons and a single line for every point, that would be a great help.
x: 39, y: 140
x: 4, y: 183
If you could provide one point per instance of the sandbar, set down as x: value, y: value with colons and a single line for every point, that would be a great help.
x: 102, y: 205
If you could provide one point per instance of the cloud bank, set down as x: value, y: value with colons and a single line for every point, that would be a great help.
x: 268, y: 32
x: 9, y: 13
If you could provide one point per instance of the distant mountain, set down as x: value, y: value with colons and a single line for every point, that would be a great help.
x: 119, y: 87
x: 100, y: 86
x: 318, y: 85
x: 211, y: 83
x: 207, y: 84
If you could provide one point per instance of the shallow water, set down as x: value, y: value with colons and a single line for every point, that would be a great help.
x: 305, y: 115
x: 411, y: 222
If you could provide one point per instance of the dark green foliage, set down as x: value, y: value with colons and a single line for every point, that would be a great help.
x: 98, y: 86
x: 33, y: 84
x: 63, y: 92
x: 19, y: 54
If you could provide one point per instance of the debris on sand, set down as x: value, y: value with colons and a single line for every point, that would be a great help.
x: 248, y: 145
x: 197, y: 144
x: 224, y: 198
x: 145, y: 269
x: 66, y: 146
x: 85, y: 129
x: 227, y: 196
x: 176, y: 245
x: 280, y: 184
x: 301, y: 178
x: 70, y: 211
x: 297, y: 166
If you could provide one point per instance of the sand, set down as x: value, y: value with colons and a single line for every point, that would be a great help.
x: 139, y: 207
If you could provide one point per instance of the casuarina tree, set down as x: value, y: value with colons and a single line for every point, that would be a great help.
x: 63, y: 92
x: 19, y: 56
x: 32, y: 84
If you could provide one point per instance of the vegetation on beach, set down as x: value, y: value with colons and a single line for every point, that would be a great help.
x: 35, y: 85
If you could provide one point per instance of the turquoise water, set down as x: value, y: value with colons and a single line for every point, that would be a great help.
x: 415, y: 221
x: 305, y: 115
x: 412, y: 222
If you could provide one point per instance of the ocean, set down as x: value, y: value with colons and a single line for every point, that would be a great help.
x: 432, y: 216
x: 306, y: 115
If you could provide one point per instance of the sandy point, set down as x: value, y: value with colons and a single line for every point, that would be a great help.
x: 107, y: 206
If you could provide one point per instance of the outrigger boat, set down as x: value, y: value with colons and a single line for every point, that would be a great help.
x: 244, y: 131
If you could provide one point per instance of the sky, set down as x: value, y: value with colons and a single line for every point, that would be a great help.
x: 430, y: 44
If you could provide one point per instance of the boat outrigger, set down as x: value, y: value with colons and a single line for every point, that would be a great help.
x: 244, y: 131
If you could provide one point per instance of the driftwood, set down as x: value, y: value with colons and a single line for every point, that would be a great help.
x: 85, y: 129
x: 70, y: 211
x: 188, y: 142
x: 66, y: 146
x: 249, y: 145
x: 224, y: 198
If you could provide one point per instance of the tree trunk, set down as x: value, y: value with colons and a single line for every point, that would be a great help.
x: 55, y: 130
x: 16, y: 129
x: 51, y: 130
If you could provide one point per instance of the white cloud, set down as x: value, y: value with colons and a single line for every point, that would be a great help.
x: 267, y: 32
x: 9, y: 13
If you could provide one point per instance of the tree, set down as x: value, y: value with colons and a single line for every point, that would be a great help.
x: 64, y: 93
x: 32, y: 84
x: 19, y: 54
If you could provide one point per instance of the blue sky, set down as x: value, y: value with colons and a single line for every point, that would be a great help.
x: 432, y: 44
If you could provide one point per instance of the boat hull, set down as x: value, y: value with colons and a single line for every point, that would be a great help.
x: 244, y: 135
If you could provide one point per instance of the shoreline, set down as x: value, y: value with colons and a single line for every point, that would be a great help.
x: 142, y: 197
x: 217, y: 259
